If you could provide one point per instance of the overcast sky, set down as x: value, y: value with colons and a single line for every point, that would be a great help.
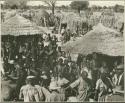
x: 100, y: 3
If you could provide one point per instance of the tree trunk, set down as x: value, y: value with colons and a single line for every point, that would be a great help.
x: 79, y: 12
x: 53, y: 9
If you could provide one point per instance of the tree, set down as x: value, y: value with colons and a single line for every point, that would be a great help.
x: 52, y: 4
x: 63, y: 6
x: 99, y: 8
x: 118, y: 8
x: 79, y: 5
x: 94, y: 7
x: 104, y: 7
x: 13, y: 4
x: 23, y: 4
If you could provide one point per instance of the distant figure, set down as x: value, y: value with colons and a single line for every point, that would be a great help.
x: 63, y: 31
x: 79, y: 61
x: 122, y: 28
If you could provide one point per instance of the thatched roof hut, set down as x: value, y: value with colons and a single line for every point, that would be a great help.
x: 18, y: 25
x: 100, y: 40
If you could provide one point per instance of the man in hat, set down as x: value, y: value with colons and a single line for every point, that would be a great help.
x: 28, y: 92
x: 83, y: 84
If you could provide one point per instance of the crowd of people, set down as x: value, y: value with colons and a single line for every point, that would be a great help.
x: 43, y: 72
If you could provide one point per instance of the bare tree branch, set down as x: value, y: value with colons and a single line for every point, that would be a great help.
x: 47, y: 2
x: 51, y: 3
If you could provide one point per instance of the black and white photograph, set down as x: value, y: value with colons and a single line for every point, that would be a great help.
x: 62, y: 51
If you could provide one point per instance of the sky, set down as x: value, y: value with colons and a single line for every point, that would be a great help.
x: 94, y: 2
x: 100, y: 3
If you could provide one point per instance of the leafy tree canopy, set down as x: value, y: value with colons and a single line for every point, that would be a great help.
x: 79, y: 5
x: 16, y: 3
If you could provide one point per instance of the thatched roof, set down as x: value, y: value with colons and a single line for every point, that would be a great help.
x: 18, y: 25
x: 101, y: 40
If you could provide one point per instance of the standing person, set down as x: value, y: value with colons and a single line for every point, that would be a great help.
x: 63, y: 31
x: 118, y: 78
x: 46, y: 55
x: 45, y: 89
x: 118, y: 90
x: 59, y: 52
x: 62, y: 82
x: 45, y: 79
x: 49, y: 37
x: 63, y: 56
x: 51, y: 56
x: 104, y: 68
x: 65, y: 37
x: 59, y: 68
x: 54, y: 42
x: 22, y: 74
x: 66, y: 69
x: 95, y: 73
x: 40, y: 55
x: 79, y: 61
x: 103, y: 87
x: 73, y: 71
x: 42, y: 91
x: 83, y: 84
x: 8, y: 89
x: 54, y: 96
x: 68, y: 34
x: 54, y: 38
x: 28, y: 92
x: 87, y: 68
